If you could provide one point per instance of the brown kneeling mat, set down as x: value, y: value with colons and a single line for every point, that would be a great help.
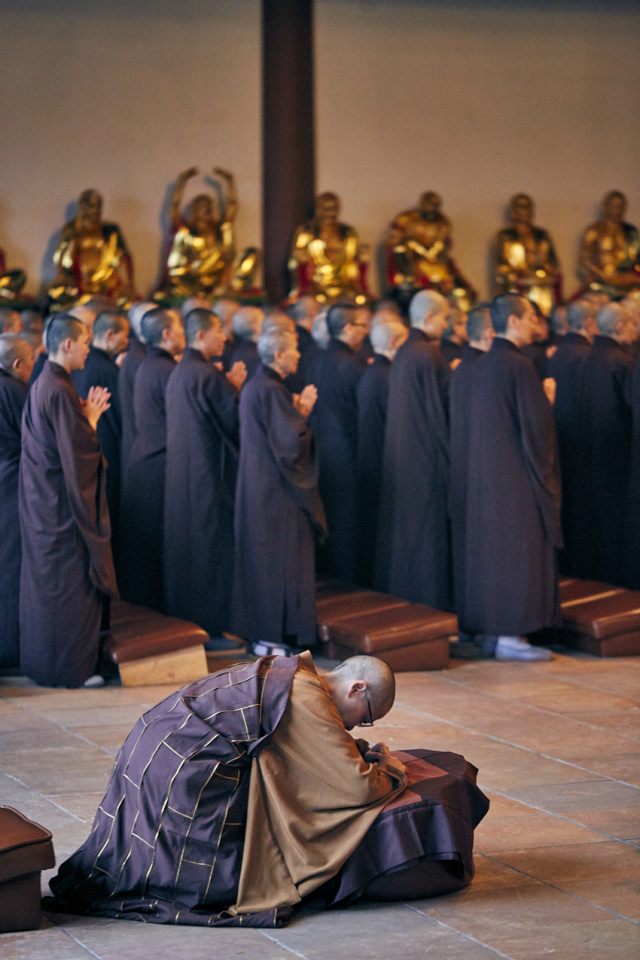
x: 26, y: 849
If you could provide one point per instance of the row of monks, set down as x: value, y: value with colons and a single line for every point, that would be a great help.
x: 422, y: 458
x: 327, y: 258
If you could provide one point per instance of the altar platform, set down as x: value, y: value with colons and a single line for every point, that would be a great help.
x: 557, y: 857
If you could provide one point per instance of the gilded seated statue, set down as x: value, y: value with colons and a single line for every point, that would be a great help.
x: 11, y: 282
x: 418, y: 253
x: 526, y: 261
x: 326, y: 257
x: 92, y: 258
x: 610, y: 256
x: 202, y: 247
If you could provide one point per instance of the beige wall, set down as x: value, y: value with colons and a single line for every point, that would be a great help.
x: 474, y: 100
x: 122, y: 95
x: 479, y: 101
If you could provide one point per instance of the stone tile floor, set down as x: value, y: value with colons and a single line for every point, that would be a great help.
x: 557, y: 857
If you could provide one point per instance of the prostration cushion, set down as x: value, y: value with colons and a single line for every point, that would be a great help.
x: 421, y: 844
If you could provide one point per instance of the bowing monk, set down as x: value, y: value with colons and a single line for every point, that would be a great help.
x: 237, y: 796
x: 67, y: 566
x: 16, y: 364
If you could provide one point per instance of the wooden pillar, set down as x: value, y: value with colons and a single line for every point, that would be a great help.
x: 288, y: 142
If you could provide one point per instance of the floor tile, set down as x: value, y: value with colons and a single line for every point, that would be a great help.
x: 544, y: 830
x: 621, y: 824
x: 49, y: 944
x: 626, y: 722
x: 111, y: 735
x: 599, y: 940
x: 82, y: 805
x: 121, y: 713
x: 130, y: 940
x: 478, y: 913
x: 361, y: 930
x: 619, y: 895
x: 577, y: 862
x: 582, y: 795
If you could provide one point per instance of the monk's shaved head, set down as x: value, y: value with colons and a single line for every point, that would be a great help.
x: 378, y: 676
x: 12, y: 348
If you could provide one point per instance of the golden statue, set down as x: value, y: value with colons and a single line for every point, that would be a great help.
x: 11, y: 282
x: 92, y: 258
x: 526, y: 261
x: 326, y: 257
x: 610, y: 256
x: 418, y: 253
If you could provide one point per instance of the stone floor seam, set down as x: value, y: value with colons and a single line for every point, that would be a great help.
x: 460, y: 933
x: 80, y: 943
x: 283, y: 945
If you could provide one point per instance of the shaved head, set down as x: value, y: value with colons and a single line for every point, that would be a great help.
x: 12, y: 348
x: 378, y: 676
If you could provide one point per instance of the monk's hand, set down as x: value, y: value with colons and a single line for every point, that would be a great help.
x: 377, y: 752
x: 223, y: 173
x: 549, y: 386
x: 187, y: 174
x: 363, y: 746
x: 237, y: 375
x: 304, y: 402
x: 95, y: 405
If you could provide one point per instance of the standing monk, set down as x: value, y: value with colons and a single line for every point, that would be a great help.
x: 481, y: 334
x: 16, y: 364
x: 202, y: 464
x: 134, y: 356
x: 387, y: 336
x: 604, y: 409
x: 413, y: 555
x: 565, y: 366
x: 144, y: 484
x: 110, y: 338
x: 67, y: 566
x: 512, y: 511
x: 278, y: 507
x: 335, y: 424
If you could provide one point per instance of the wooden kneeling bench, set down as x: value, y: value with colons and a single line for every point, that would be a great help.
x: 151, y: 648
x: 407, y: 636
x: 26, y: 849
x: 599, y: 618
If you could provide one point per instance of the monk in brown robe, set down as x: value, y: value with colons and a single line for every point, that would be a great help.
x: 67, y: 566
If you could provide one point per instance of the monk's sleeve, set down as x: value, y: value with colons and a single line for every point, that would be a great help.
x: 84, y: 472
x: 540, y: 450
x: 312, y: 799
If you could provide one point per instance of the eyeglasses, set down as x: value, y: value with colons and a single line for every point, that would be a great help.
x: 369, y: 722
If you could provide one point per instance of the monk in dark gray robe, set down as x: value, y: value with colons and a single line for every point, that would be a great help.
x: 335, y: 425
x: 67, y: 566
x: 110, y: 338
x: 413, y: 553
x: 134, y: 356
x: 202, y: 464
x: 565, y: 367
x: 481, y: 333
x: 278, y: 508
x: 387, y: 336
x: 144, y: 481
x: 16, y: 364
x: 604, y: 408
x: 512, y: 517
x: 246, y: 323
